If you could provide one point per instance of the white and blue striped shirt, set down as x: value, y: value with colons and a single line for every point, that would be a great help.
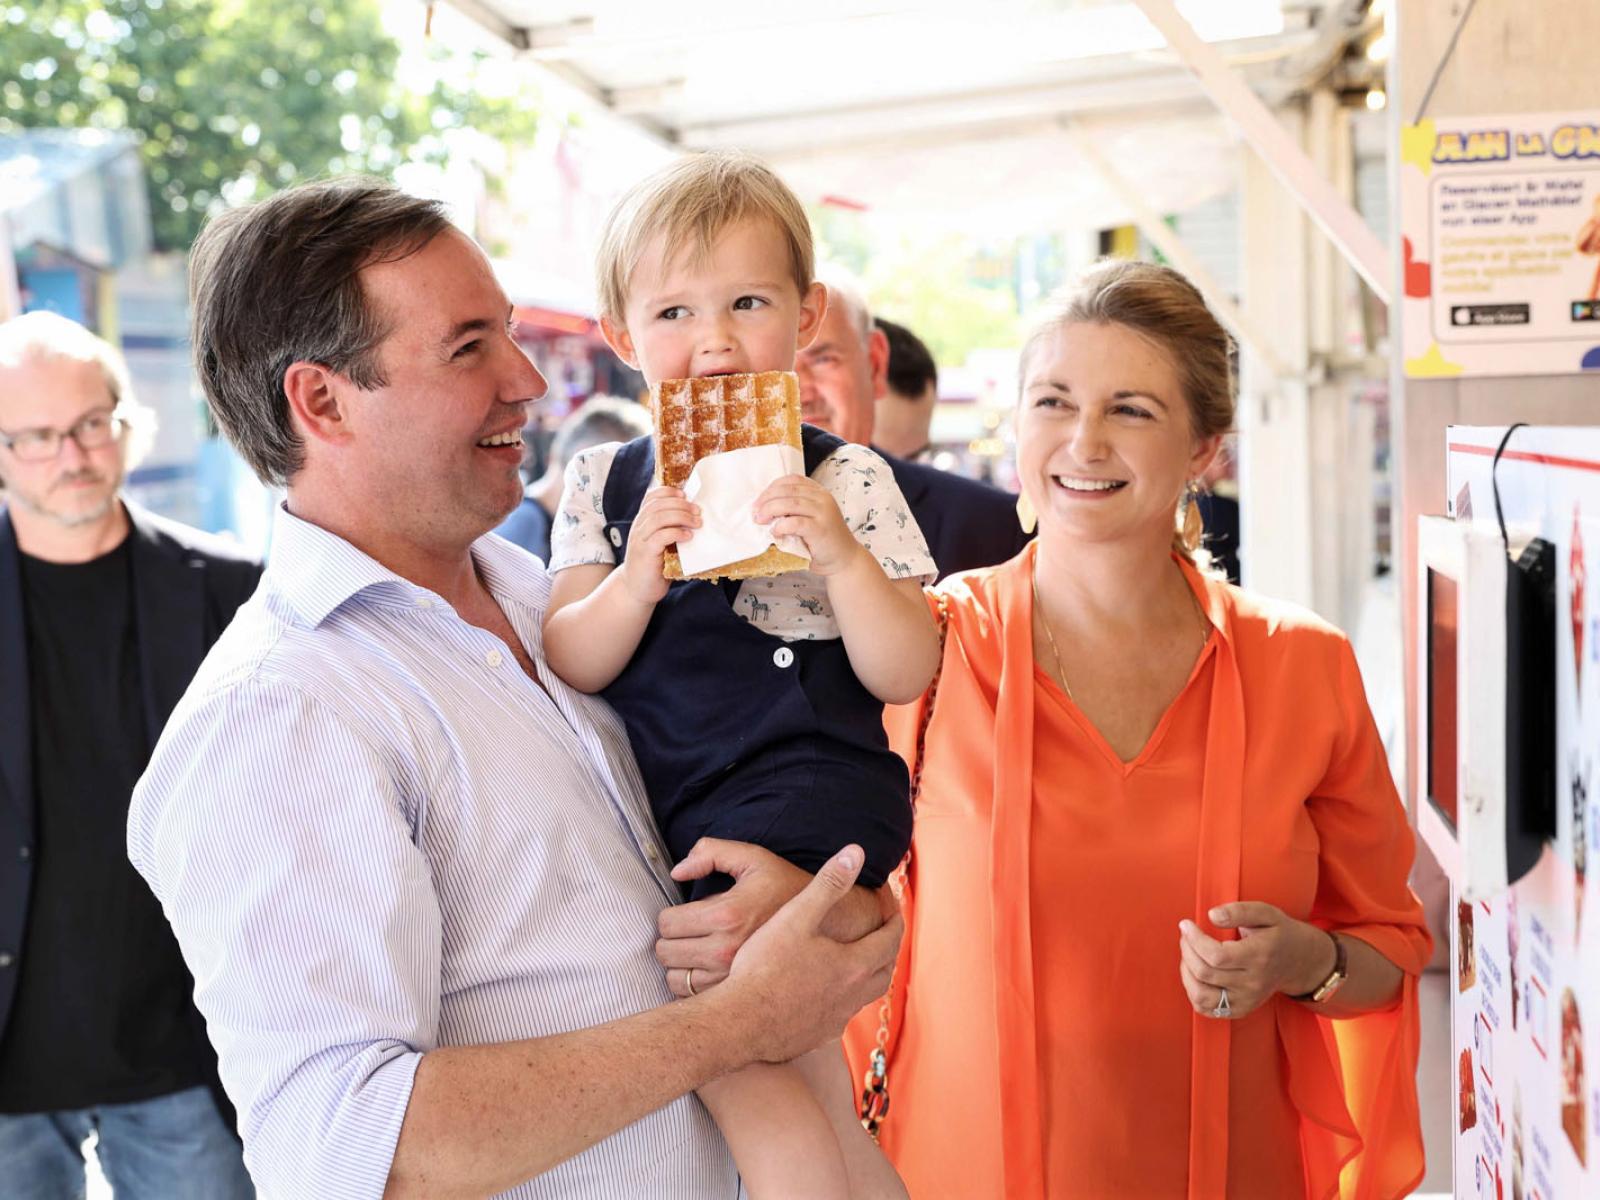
x: 374, y: 835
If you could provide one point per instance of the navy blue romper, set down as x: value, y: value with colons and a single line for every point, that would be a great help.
x: 742, y: 735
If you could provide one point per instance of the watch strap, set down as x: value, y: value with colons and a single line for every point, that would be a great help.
x: 1335, y: 977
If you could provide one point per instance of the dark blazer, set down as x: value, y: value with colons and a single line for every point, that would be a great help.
x: 529, y: 527
x: 965, y: 523
x: 186, y: 587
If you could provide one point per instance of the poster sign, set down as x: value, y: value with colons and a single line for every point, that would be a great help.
x: 1526, y: 1010
x: 1500, y: 232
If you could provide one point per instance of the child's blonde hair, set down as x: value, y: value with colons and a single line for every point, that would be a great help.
x: 690, y: 202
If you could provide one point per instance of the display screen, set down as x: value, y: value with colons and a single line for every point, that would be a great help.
x: 1443, y: 628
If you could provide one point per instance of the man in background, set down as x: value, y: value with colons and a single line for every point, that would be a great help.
x: 842, y: 374
x: 599, y: 419
x: 904, y: 413
x: 105, y: 613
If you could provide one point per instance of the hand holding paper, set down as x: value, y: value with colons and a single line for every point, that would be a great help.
x: 665, y: 518
x: 725, y: 487
x: 801, y: 509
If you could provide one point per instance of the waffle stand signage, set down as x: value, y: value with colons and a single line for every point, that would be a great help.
x: 1526, y: 958
x: 1500, y: 232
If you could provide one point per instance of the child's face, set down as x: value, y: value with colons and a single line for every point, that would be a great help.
x: 736, y: 310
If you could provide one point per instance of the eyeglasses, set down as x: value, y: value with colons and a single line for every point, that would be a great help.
x: 91, y: 432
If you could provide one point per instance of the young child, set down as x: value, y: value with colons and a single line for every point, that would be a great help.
x: 755, y: 710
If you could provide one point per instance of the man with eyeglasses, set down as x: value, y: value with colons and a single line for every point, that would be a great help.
x: 105, y: 614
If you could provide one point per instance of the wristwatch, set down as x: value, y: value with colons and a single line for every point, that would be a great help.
x: 1335, y: 979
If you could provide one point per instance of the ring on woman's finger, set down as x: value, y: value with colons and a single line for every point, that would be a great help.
x: 1223, y: 1008
x: 688, y: 981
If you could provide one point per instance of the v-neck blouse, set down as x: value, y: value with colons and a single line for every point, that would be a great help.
x: 1112, y: 1008
x: 1041, y: 1040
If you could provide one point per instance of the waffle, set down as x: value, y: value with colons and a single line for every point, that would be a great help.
x: 695, y: 418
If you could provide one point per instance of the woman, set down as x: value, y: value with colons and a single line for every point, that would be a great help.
x: 1160, y: 939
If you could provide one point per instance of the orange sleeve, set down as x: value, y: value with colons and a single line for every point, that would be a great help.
x: 1367, y: 843
x: 1353, y: 1079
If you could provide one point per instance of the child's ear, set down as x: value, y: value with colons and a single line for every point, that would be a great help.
x: 813, y: 307
x: 617, y: 338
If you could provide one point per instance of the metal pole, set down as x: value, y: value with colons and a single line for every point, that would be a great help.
x: 1335, y: 215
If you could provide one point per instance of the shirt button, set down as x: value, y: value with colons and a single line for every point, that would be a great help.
x: 424, y: 601
x: 783, y: 656
x: 653, y: 855
x: 25, y: 853
x: 616, y: 536
x: 493, y: 658
x: 6, y: 960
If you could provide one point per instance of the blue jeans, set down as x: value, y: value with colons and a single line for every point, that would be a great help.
x: 170, y: 1148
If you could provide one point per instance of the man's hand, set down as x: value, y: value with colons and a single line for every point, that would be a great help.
x: 704, y: 936
x: 664, y: 519
x: 1275, y: 953
x: 798, y: 506
x: 792, y: 987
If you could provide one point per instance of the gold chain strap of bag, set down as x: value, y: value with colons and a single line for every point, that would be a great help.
x: 875, y: 1082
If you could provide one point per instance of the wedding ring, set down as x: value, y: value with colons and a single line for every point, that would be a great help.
x: 688, y: 982
x: 1223, y: 1008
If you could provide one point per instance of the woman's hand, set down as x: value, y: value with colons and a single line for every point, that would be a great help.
x: 799, y: 506
x: 664, y: 519
x: 705, y: 935
x: 1275, y: 953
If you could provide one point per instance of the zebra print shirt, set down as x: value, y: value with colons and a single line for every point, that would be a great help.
x: 793, y: 606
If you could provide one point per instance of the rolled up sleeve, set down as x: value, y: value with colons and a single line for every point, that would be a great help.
x: 282, y: 846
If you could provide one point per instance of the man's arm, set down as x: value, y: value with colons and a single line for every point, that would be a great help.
x: 280, y: 844
x: 279, y: 839
x: 485, y: 1118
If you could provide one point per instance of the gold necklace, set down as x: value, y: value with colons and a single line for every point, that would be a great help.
x: 1055, y: 651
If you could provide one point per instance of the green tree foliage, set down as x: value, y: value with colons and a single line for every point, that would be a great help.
x: 928, y: 281
x: 234, y: 99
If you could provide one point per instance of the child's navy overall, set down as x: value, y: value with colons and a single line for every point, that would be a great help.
x: 742, y: 735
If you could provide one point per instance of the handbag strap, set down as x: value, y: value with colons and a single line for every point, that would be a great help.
x: 875, y: 1083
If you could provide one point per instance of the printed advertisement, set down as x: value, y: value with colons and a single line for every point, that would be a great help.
x: 1526, y: 1016
x: 1500, y: 232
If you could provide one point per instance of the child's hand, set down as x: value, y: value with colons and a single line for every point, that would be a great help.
x: 664, y: 518
x: 801, y: 507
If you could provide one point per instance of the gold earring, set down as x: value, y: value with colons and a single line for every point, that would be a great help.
x: 1193, y: 527
x: 1026, y: 517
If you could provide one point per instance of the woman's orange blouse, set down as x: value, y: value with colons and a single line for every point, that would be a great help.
x: 1041, y: 1041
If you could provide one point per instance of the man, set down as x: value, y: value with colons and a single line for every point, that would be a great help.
x: 598, y: 419
x: 842, y: 374
x: 904, y: 412
x: 414, y: 873
x: 105, y: 614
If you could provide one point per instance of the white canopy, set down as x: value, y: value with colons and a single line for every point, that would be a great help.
x: 952, y: 113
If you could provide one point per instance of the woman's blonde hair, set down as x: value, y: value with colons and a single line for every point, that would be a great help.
x: 1163, y: 306
x: 688, y: 203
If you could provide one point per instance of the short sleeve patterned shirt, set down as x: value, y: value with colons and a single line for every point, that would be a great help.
x: 795, y: 605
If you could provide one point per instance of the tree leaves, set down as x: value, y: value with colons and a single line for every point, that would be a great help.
x: 231, y: 99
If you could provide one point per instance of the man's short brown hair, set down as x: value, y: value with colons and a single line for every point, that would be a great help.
x: 278, y: 282
x: 690, y: 202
